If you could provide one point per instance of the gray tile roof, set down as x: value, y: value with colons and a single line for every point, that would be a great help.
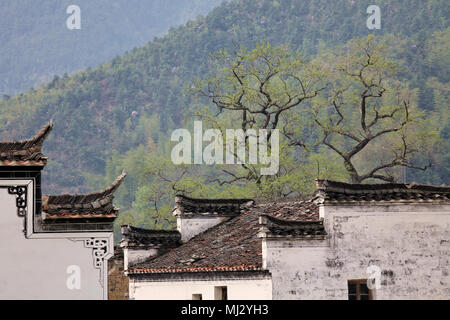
x: 233, y: 245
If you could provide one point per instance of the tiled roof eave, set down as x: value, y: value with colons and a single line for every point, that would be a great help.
x: 133, y: 237
x: 374, y: 202
x: 23, y: 163
x: 334, y: 192
x: 193, y: 215
x: 293, y: 236
x: 75, y: 216
x: 194, y: 269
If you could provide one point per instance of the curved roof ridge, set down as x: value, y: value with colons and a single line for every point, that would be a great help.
x: 88, y: 197
x: 334, y: 191
x: 25, y: 152
x: 337, y: 186
x: 213, y: 201
x: 37, y: 140
x: 220, y: 207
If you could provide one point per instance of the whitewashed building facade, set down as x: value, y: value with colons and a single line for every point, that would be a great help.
x: 349, y: 241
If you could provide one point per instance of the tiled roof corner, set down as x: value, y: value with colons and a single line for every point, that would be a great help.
x: 25, y: 152
x: 133, y: 237
x: 96, y: 205
x: 337, y: 192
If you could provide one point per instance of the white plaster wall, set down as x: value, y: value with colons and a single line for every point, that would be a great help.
x: 259, y: 289
x: 296, y: 269
x: 190, y: 227
x: 36, y: 268
x: 133, y: 256
x: 410, y: 244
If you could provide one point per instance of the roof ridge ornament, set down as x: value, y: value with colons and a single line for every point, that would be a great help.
x: 90, y: 205
x: 40, y: 137
x: 25, y: 152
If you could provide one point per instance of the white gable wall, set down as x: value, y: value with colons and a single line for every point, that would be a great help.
x: 36, y: 268
x: 410, y: 243
x: 189, y: 227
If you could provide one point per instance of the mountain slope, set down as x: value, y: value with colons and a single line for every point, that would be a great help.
x: 104, y: 109
x: 36, y: 43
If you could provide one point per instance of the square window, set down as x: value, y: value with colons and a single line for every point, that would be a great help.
x: 358, y: 290
x: 220, y: 293
x: 197, y: 296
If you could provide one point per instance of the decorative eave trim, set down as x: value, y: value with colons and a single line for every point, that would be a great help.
x: 102, y: 250
x: 20, y: 191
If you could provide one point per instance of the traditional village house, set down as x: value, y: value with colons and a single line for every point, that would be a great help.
x: 349, y: 241
x: 52, y: 247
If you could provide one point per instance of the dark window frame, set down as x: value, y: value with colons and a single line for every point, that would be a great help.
x: 358, y: 283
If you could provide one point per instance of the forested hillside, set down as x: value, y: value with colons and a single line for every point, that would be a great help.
x: 36, y: 43
x: 121, y: 113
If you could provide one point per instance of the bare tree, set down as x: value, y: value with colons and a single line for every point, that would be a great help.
x: 351, y: 98
x: 363, y: 80
x: 260, y: 85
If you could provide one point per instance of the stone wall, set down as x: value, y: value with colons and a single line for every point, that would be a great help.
x: 118, y: 283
